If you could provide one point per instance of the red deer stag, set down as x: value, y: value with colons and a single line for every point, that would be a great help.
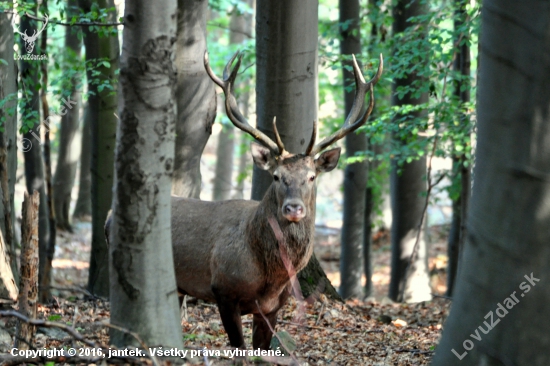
x: 226, y: 252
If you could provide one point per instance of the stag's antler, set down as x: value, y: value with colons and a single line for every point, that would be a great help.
x: 232, y: 110
x: 352, y: 122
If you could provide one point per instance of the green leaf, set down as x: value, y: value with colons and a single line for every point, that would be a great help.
x: 54, y: 317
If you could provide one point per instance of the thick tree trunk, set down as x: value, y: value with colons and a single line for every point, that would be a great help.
x: 67, y: 160
x: 286, y: 76
x: 143, y: 285
x: 8, y: 75
x: 32, y: 149
x: 502, y: 293
x: 409, y: 279
x: 196, y: 98
x: 461, y: 171
x: 83, y: 206
x: 286, y: 84
x: 102, y: 113
x: 355, y: 175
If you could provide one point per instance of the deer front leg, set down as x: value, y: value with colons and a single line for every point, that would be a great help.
x: 261, y: 333
x: 231, y: 318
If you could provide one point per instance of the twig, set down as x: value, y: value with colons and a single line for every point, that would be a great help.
x: 218, y: 25
x: 86, y: 24
x: 423, y: 216
x: 415, y: 351
x: 48, y: 324
x: 77, y: 289
x: 442, y: 296
x: 276, y: 335
x: 297, y: 291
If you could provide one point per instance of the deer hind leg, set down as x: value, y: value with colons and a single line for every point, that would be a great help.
x: 231, y: 318
x: 261, y: 332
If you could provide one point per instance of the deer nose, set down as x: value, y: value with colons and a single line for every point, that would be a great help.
x: 294, y: 211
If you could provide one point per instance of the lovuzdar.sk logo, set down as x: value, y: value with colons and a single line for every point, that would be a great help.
x: 30, y: 40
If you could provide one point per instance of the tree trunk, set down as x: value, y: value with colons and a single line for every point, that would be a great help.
x: 32, y: 149
x: 196, y: 98
x: 65, y: 171
x: 286, y: 86
x: 355, y: 175
x: 83, y: 206
x: 239, y: 25
x: 8, y: 75
x: 504, y: 272
x: 28, y: 296
x: 45, y: 284
x: 143, y: 285
x: 409, y: 278
x: 286, y: 74
x: 102, y: 110
x: 461, y: 169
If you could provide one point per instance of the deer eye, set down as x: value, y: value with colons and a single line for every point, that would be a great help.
x: 312, y: 178
x: 276, y: 178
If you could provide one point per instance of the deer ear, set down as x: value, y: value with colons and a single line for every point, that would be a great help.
x: 327, y: 160
x: 262, y: 156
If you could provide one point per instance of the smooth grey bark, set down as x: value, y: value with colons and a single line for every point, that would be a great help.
x: 286, y: 76
x: 502, y: 291
x: 102, y: 114
x: 224, y: 165
x: 457, y: 234
x: 65, y: 172
x: 143, y: 285
x: 8, y: 75
x: 286, y: 88
x: 196, y: 98
x: 239, y: 25
x: 409, y: 279
x: 83, y: 206
x: 355, y: 175
x: 34, y: 167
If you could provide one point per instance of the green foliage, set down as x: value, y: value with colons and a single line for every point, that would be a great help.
x: 54, y: 317
x: 427, y: 49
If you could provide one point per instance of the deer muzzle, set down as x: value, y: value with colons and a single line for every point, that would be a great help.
x: 294, y: 210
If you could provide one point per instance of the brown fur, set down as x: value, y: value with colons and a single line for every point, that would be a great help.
x: 226, y: 252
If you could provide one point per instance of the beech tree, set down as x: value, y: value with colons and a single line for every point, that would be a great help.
x: 286, y: 88
x: 102, y: 55
x: 196, y: 98
x: 8, y: 145
x: 355, y: 174
x: 143, y: 285
x: 65, y: 172
x: 409, y: 278
x: 501, y: 292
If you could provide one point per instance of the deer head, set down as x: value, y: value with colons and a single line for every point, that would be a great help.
x: 29, y: 40
x: 294, y: 174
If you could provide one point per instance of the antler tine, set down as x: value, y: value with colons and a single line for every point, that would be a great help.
x: 231, y: 108
x: 278, y: 140
x: 313, y: 138
x: 352, y: 121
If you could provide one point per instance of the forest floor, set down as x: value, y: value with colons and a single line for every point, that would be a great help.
x: 373, y: 332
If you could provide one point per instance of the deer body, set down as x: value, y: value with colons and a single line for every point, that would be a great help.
x: 238, y: 262
x: 228, y: 252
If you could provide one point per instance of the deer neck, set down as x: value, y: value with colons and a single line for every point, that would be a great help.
x: 297, y: 237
